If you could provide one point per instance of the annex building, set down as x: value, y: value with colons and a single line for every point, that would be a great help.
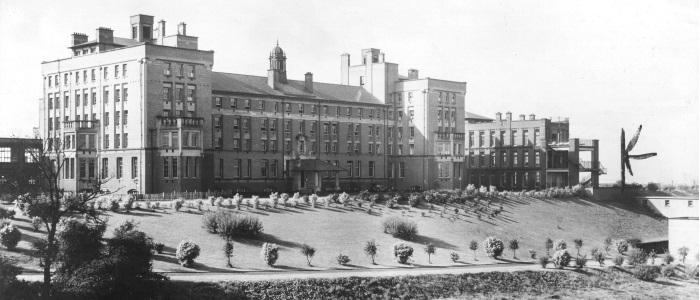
x: 149, y: 113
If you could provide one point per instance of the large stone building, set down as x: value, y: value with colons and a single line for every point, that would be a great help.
x: 528, y: 153
x: 149, y: 114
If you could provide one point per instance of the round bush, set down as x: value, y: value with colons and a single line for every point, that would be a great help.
x: 269, y: 253
x: 620, y: 245
x: 186, y: 253
x: 454, y: 256
x: 36, y: 223
x: 668, y: 271
x: 209, y: 221
x: 402, y: 252
x: 646, y: 273
x: 636, y: 257
x: 10, y: 236
x: 561, y: 259
x: 158, y: 247
x: 343, y: 259
x: 400, y: 228
x: 493, y: 247
x: 618, y: 260
x: 560, y: 245
x: 543, y: 260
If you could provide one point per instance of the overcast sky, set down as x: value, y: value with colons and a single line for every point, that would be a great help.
x: 604, y: 65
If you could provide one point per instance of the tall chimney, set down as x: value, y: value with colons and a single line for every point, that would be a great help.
x: 509, y: 116
x: 161, y: 27
x: 532, y: 116
x: 272, y: 78
x: 105, y: 36
x: 412, y: 74
x: 78, y: 38
x: 345, y: 69
x: 498, y: 116
x: 522, y: 117
x: 182, y: 28
x: 381, y: 57
x: 309, y: 82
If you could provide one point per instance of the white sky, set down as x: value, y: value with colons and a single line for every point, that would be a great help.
x: 604, y: 65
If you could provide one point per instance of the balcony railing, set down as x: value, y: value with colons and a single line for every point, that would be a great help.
x: 81, y: 124
x: 180, y: 121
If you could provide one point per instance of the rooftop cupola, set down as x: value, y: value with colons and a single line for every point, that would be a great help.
x: 278, y: 67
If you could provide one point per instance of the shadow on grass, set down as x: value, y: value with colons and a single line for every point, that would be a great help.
x: 141, y: 213
x: 166, y: 258
x: 283, y: 267
x: 267, y: 238
x: 421, y: 239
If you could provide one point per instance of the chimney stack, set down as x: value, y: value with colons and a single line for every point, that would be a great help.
x: 381, y: 57
x: 161, y: 27
x: 344, y: 69
x: 309, y: 82
x: 412, y: 74
x: 522, y: 117
x: 498, y: 116
x: 182, y: 28
x: 273, y: 78
x: 509, y: 116
x: 532, y: 116
x: 105, y: 36
x: 78, y: 38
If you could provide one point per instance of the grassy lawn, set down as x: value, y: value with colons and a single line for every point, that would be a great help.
x: 337, y: 229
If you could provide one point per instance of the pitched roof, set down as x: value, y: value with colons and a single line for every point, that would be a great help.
x: 249, y: 84
x: 313, y: 165
x: 473, y: 116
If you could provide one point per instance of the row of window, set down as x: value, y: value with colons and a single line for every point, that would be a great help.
x: 301, y: 108
x: 181, y: 92
x: 30, y: 155
x: 443, y: 97
x: 120, y: 118
x: 54, y: 80
x: 120, y: 141
x: 180, y: 68
x: 172, y: 169
x: 517, y: 179
x: 172, y: 139
x: 86, y: 168
x: 515, y: 138
x: 472, y: 159
x: 121, y: 92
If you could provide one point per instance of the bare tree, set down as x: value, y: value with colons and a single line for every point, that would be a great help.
x: 55, y: 203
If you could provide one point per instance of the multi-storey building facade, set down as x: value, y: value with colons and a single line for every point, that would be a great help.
x: 527, y: 153
x: 149, y: 114
x: 19, y: 170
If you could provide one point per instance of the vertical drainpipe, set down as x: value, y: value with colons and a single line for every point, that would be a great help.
x: 143, y: 114
x: 425, y: 124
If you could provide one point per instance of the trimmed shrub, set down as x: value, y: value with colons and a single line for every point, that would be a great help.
x: 618, y: 260
x: 186, y: 253
x: 211, y: 200
x: 128, y: 203
x: 599, y: 257
x: 269, y: 253
x: 543, y: 260
x: 313, y: 198
x: 580, y: 262
x: 36, y: 223
x: 228, y: 252
x: 400, y: 228
x: 493, y: 247
x: 344, y: 198
x: 559, y: 245
x: 513, y: 245
x: 10, y: 236
x: 233, y: 225
x: 620, y: 245
x: 308, y: 252
x: 158, y: 247
x: 256, y: 202
x: 682, y: 253
x: 578, y: 243
x: 607, y: 244
x: 371, y: 249
x: 342, y: 259
x: 430, y: 249
x: 364, y: 195
x: 402, y: 252
x: 636, y: 257
x: 177, y: 204
x: 533, y: 253
x: 113, y: 205
x: 668, y: 271
x: 415, y: 199
x: 238, y: 200
x: 209, y: 221
x: 454, y: 257
x: 645, y: 273
x: 274, y: 197
x: 474, y: 245
x: 548, y: 245
x: 561, y: 258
